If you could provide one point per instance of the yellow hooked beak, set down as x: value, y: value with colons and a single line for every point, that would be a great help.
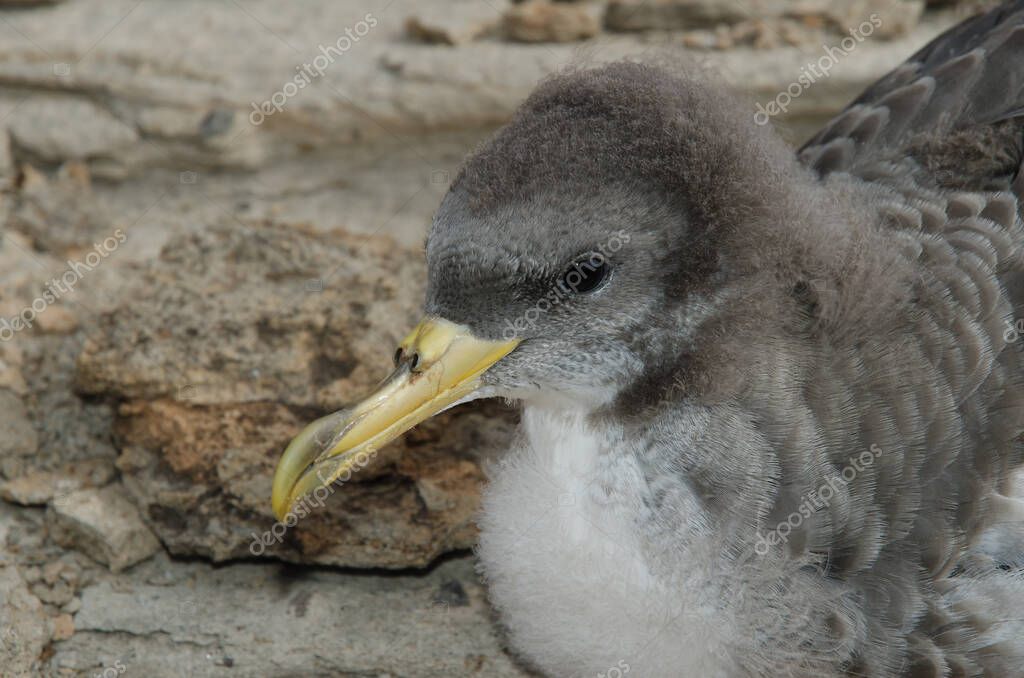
x: 440, y: 363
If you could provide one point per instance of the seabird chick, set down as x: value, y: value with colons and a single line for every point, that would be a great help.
x: 772, y: 402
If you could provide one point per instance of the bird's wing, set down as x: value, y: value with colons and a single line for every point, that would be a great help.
x: 957, y: 106
x: 938, y: 145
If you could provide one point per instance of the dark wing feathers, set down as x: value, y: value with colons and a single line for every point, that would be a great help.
x: 966, y: 83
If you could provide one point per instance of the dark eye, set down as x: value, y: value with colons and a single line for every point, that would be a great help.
x: 588, y: 273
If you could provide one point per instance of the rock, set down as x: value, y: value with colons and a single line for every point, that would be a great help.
x: 72, y: 606
x: 60, y: 214
x: 51, y: 572
x: 700, y: 40
x: 72, y: 436
x: 878, y: 19
x: 37, y: 488
x: 168, y: 103
x: 770, y: 34
x: 542, y: 21
x: 643, y: 15
x: 55, y: 129
x: 34, y: 489
x: 32, y: 574
x: 24, y: 630
x: 889, y: 19
x: 57, y: 320
x: 6, y: 162
x: 886, y: 18
x: 19, y: 439
x: 453, y: 23
x: 63, y: 627
x: 263, y: 620
x: 71, y: 573
x: 58, y: 594
x: 104, y: 525
x: 11, y: 378
x: 234, y: 352
x: 451, y: 593
x: 404, y: 89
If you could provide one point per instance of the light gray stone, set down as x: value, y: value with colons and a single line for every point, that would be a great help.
x: 382, y: 88
x: 19, y: 437
x: 453, y: 23
x: 104, y: 525
x: 6, y: 160
x: 893, y: 18
x: 33, y: 489
x: 38, y: 488
x: 55, y: 129
x: 24, y: 629
x: 261, y: 620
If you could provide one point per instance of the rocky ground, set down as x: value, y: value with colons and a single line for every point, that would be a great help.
x: 209, y: 272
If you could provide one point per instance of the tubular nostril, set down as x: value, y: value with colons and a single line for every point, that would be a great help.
x: 412, y: 358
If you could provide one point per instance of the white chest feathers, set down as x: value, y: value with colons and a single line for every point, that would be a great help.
x: 564, y: 552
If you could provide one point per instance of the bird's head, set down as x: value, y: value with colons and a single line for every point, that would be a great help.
x: 574, y: 253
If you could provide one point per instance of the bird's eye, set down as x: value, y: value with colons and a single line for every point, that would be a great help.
x: 588, y: 273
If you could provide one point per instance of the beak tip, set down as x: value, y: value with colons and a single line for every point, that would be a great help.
x: 280, y: 506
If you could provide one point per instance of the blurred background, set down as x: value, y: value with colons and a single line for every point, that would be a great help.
x: 211, y: 222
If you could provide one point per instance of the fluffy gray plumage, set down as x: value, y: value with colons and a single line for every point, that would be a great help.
x: 769, y: 318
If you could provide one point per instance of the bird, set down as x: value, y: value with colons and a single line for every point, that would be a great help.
x: 772, y: 399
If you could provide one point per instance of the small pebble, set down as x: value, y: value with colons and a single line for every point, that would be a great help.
x: 73, y: 605
x: 52, y: 571
x: 63, y: 627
